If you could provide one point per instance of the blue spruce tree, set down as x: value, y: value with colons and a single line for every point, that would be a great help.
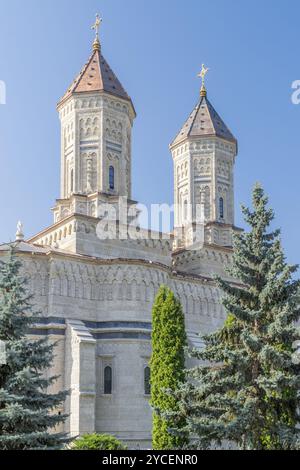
x: 28, y: 412
x: 246, y: 389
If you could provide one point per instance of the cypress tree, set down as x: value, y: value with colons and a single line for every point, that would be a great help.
x: 27, y: 411
x: 246, y: 391
x: 167, y: 366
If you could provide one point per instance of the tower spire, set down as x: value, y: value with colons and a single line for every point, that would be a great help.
x: 96, y: 27
x: 202, y: 75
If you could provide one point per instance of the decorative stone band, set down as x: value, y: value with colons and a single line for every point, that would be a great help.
x: 50, y: 326
x: 124, y: 335
x: 119, y: 324
x: 46, y: 332
x: 53, y: 326
x: 110, y: 330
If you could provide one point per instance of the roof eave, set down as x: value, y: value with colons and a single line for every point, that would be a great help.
x: 206, y: 136
x: 100, y: 92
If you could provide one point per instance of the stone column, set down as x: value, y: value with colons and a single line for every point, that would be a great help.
x: 80, y: 367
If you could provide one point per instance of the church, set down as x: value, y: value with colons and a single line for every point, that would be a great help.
x: 95, y: 294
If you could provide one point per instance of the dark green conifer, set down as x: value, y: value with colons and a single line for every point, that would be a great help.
x: 246, y: 390
x: 167, y: 365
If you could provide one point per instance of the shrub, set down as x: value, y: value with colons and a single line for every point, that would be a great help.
x: 97, y: 442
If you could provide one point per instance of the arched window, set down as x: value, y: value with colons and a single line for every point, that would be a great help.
x: 207, y: 203
x: 72, y: 180
x: 111, y: 178
x: 147, y: 384
x: 108, y: 380
x: 221, y: 207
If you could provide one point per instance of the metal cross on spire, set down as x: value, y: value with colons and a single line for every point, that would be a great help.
x: 96, y: 27
x: 202, y: 75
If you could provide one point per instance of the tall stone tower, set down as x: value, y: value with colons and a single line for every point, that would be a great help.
x: 96, y: 117
x: 204, y: 154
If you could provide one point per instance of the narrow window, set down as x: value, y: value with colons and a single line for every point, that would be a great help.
x: 111, y: 178
x: 147, y: 384
x: 185, y: 210
x: 72, y: 181
x: 108, y: 380
x: 221, y: 207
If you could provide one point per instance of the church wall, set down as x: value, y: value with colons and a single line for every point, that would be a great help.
x: 126, y: 412
x: 115, y: 289
x: 112, y: 300
x: 78, y: 235
x: 206, y: 262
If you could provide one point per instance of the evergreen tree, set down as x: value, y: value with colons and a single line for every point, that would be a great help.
x: 167, y: 366
x: 247, y: 389
x: 27, y: 410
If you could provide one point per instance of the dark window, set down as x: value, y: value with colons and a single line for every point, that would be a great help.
x: 107, y: 380
x: 221, y: 208
x: 147, y: 384
x: 111, y: 178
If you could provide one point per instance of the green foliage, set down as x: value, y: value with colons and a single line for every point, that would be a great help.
x: 167, y: 366
x: 27, y: 410
x: 247, y: 391
x: 97, y: 442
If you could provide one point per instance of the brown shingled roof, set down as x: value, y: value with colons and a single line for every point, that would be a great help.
x: 96, y: 75
x: 204, y: 121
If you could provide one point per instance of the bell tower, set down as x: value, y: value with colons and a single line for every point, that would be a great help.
x: 96, y: 117
x: 204, y: 154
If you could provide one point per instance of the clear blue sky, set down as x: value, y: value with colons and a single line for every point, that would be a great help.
x: 156, y: 48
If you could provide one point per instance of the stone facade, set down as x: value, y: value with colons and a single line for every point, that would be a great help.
x: 95, y: 296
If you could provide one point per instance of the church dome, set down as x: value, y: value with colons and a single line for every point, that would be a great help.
x: 96, y: 76
x: 204, y: 121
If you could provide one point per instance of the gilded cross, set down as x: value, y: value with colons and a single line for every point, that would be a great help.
x: 97, y: 25
x: 202, y: 75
